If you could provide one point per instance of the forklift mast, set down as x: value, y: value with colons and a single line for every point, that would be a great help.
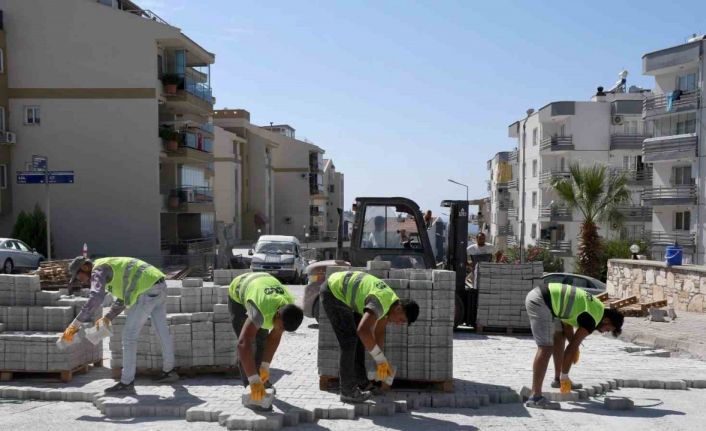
x: 457, y: 242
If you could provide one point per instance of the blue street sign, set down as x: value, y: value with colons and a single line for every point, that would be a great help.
x: 55, y: 177
x: 39, y: 163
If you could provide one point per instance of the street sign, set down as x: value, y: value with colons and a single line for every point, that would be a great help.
x: 55, y: 177
x: 39, y: 163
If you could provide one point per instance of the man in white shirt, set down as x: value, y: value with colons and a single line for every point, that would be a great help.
x: 479, y: 252
x: 381, y: 237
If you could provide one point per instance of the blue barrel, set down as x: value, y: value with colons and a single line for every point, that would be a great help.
x: 673, y: 255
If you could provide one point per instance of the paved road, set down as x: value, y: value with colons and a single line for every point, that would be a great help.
x: 478, y: 360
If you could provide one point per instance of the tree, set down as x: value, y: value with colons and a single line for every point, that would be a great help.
x: 596, y: 194
x: 31, y: 228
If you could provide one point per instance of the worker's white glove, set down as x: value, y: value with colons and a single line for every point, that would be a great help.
x: 377, y: 355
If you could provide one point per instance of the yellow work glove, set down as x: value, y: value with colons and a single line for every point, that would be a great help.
x: 565, y: 383
x: 384, y: 370
x: 265, y: 371
x: 257, y: 388
x: 103, y: 321
x: 69, y: 333
x: 576, y: 357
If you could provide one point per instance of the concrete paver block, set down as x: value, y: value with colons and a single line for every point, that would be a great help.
x: 618, y: 403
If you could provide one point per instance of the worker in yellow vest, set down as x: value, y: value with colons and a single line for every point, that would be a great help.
x: 359, y: 306
x: 137, y: 286
x: 261, y: 309
x: 556, y: 309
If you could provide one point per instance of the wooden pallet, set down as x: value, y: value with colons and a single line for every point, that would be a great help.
x: 189, y: 372
x: 64, y: 376
x: 500, y: 330
x: 603, y: 297
x: 330, y: 382
x: 620, y: 303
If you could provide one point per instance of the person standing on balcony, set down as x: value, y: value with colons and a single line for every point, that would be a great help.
x: 261, y: 309
x: 137, y: 286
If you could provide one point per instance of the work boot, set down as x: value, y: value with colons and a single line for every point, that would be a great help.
x: 121, y: 388
x: 355, y: 396
x: 542, y: 403
x: 269, y: 385
x: 574, y: 386
x: 375, y: 388
x: 167, y: 377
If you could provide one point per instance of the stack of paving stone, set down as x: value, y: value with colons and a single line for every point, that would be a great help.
x: 199, y: 322
x: 502, y: 289
x: 422, y: 351
x: 223, y: 277
x: 31, y: 321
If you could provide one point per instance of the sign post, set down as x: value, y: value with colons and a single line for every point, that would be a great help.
x: 42, y: 175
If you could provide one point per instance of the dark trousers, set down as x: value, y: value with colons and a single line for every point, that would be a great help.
x: 238, y: 315
x: 345, y: 324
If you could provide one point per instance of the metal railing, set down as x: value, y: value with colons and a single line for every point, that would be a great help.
x: 512, y: 241
x: 505, y: 204
x: 672, y: 147
x: 670, y: 195
x: 546, y: 177
x: 512, y: 212
x: 556, y: 212
x: 146, y: 14
x: 557, y: 143
x: 563, y: 246
x: 191, y: 140
x: 513, y: 184
x: 197, y: 88
x: 636, y: 213
x: 193, y: 194
x: 635, y: 176
x: 505, y: 230
x: 659, y: 104
x: 670, y: 238
x: 512, y: 157
x: 627, y: 142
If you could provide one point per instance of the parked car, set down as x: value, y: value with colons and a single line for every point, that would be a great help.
x: 280, y: 256
x: 316, y: 274
x: 589, y: 284
x: 15, y: 254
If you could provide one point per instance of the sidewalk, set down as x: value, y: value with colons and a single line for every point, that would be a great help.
x: 687, y: 333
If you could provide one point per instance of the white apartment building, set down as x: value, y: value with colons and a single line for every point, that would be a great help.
x: 675, y: 113
x: 501, y: 176
x: 333, y: 190
x: 123, y: 99
x: 608, y: 130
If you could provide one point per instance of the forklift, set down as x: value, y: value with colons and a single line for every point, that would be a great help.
x: 393, y: 229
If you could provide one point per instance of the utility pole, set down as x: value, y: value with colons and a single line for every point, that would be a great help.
x: 523, y: 142
x: 48, y: 205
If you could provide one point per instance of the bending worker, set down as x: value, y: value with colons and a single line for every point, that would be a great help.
x: 553, y: 308
x: 359, y: 307
x: 261, y: 309
x: 137, y: 286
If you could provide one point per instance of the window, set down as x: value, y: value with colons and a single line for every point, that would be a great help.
x: 562, y: 130
x: 389, y: 227
x: 22, y: 246
x: 682, y: 220
x: 533, y: 231
x: 629, y: 162
x: 681, y: 176
x: 2, y: 118
x: 534, y: 168
x: 3, y: 177
x: 32, y: 115
x: 687, y: 82
x: 534, y: 136
x: 534, y: 199
x: 686, y: 126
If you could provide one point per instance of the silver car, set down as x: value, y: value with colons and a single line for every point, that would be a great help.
x: 589, y: 284
x: 15, y: 254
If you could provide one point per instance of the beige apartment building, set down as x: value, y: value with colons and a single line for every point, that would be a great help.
x: 123, y: 99
x: 333, y: 190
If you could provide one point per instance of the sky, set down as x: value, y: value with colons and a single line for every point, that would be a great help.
x: 404, y: 95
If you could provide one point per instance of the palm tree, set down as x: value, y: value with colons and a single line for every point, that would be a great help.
x: 595, y: 193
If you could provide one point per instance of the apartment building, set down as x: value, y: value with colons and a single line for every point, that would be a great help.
x: 333, y: 190
x: 608, y: 130
x: 123, y: 99
x: 675, y: 114
x: 227, y: 182
x: 501, y: 176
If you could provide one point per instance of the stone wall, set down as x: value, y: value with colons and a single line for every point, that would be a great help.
x: 684, y: 287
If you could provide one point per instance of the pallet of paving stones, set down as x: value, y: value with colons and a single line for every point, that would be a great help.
x: 502, y: 289
x: 64, y: 376
x: 421, y: 352
x: 223, y: 277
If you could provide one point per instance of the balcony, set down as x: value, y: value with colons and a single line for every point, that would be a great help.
x: 512, y: 157
x: 193, y: 91
x: 666, y: 148
x: 190, y: 199
x: 662, y: 104
x: 556, y: 213
x: 505, y: 230
x: 636, y: 213
x: 512, y: 241
x: 190, y: 148
x: 674, y: 195
x: 504, y: 204
x: 557, y: 143
x: 546, y: 177
x: 513, y: 184
x: 627, y: 142
x: 559, y: 247
x: 633, y: 176
x: 512, y: 213
x: 663, y: 239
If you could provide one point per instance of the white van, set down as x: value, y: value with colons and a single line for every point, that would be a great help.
x: 280, y: 256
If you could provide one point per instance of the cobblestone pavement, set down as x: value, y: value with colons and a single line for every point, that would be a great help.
x: 488, y: 370
x: 687, y: 333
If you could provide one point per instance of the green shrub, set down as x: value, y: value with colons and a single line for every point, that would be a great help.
x: 618, y: 249
x: 31, y: 228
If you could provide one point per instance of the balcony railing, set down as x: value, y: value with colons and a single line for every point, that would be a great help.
x: 512, y: 241
x: 557, y: 143
x: 193, y: 194
x: 673, y: 147
x: 557, y: 246
x: 196, y: 142
x: 513, y: 184
x: 685, y: 239
x: 512, y: 158
x: 512, y: 213
x: 636, y: 213
x: 505, y: 230
x: 556, y: 213
x: 674, y: 195
x: 627, y: 142
x: 660, y: 104
x: 199, y: 89
x: 635, y: 176
x: 505, y: 204
x: 546, y: 177
x: 146, y: 14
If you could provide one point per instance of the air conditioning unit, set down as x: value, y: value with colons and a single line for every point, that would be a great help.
x: 617, y: 120
x: 10, y: 137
